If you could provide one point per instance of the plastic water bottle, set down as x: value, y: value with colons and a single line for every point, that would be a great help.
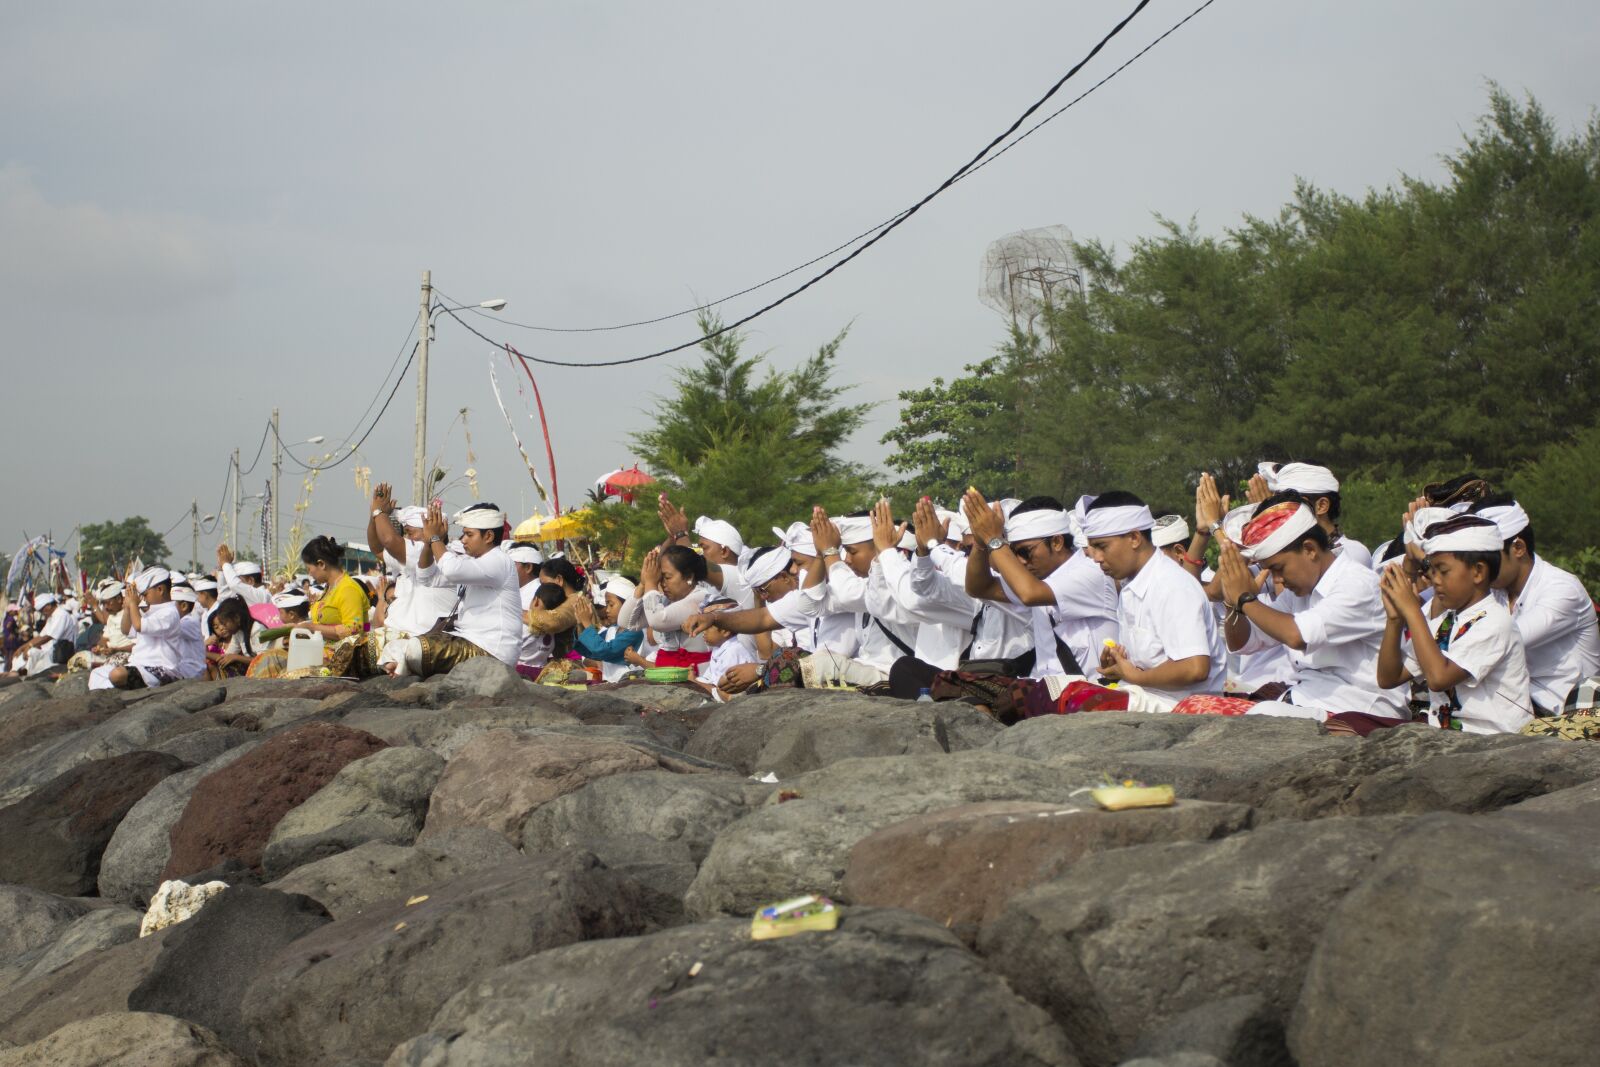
x: 923, y: 697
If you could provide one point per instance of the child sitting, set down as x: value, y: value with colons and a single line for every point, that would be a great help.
x: 725, y: 652
x: 1469, y: 652
x: 234, y: 639
x: 602, y: 640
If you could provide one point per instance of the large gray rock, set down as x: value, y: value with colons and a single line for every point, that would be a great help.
x: 800, y: 841
x: 208, y: 960
x: 202, y: 746
x: 1473, y: 942
x: 437, y: 729
x: 376, y: 874
x: 130, y: 867
x: 53, y: 838
x: 885, y: 988
x: 1241, y: 1031
x: 383, y: 797
x: 791, y: 731
x: 1120, y: 946
x: 125, y: 1039
x: 1577, y: 799
x: 482, y: 677
x: 125, y: 732
x: 959, y: 866
x: 90, y: 932
x: 93, y: 984
x: 357, y: 987
x: 687, y: 808
x: 25, y: 724
x: 32, y: 918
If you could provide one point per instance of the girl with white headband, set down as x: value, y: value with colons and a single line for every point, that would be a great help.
x: 1468, y: 652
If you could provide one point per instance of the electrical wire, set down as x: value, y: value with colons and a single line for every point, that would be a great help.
x: 259, y: 449
x: 894, y: 220
x: 374, y: 425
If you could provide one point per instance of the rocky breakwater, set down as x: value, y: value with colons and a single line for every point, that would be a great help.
x: 478, y: 871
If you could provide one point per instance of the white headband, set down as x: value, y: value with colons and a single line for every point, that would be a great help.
x: 525, y: 553
x: 44, y: 601
x: 1280, y: 529
x: 797, y: 538
x: 719, y: 531
x: 412, y: 517
x: 1031, y: 525
x: 1474, y: 534
x: 153, y: 576
x: 290, y: 600
x: 480, y: 518
x: 183, y: 594
x: 1298, y: 478
x: 1510, y: 518
x: 854, y: 529
x: 107, y: 590
x: 771, y: 564
x: 245, y: 567
x: 1169, y: 530
x: 621, y: 588
x: 204, y: 585
x: 1424, y: 518
x: 1109, y: 522
x: 959, y: 527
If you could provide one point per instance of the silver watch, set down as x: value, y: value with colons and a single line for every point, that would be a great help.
x: 996, y: 543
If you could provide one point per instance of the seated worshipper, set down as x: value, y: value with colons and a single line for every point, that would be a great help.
x: 835, y: 630
x: 672, y: 586
x: 563, y: 618
x: 235, y: 638
x: 10, y: 635
x: 1321, y: 491
x: 550, y: 648
x: 1169, y: 643
x: 242, y: 578
x: 157, y: 636
x: 205, y: 593
x: 601, y: 640
x: 339, y: 610
x: 536, y: 644
x: 1550, y: 607
x: 488, y: 620
x: 1170, y: 534
x: 1030, y: 560
x: 915, y: 592
x: 792, y: 610
x: 1468, y: 650
x: 726, y: 652
x: 1326, y: 610
x: 395, y: 536
x: 191, y: 642
x: 114, y: 646
x: 721, y: 546
x: 54, y: 630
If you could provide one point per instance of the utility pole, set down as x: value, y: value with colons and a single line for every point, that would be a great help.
x: 233, y: 527
x: 419, y: 459
x: 277, y: 494
x: 194, y: 534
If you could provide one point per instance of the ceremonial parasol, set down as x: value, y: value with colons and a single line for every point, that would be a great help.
x: 624, y: 482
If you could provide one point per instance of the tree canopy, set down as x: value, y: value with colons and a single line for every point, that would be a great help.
x: 108, y: 547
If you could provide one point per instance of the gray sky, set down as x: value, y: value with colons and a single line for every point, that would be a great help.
x: 210, y: 210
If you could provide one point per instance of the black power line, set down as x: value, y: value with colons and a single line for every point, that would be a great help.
x: 374, y: 425
x: 966, y: 172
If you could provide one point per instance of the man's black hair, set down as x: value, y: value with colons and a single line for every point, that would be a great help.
x: 1316, y: 535
x: 1488, y: 559
x: 1120, y: 498
x: 1038, y: 503
x: 497, y: 534
x: 1502, y: 500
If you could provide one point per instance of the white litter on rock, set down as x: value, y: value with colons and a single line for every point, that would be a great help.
x: 176, y: 901
x: 765, y: 779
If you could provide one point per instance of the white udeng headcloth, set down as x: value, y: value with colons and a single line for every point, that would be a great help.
x: 1032, y: 525
x: 1305, y: 478
x: 1424, y: 518
x: 1510, y: 518
x: 412, y: 517
x: 797, y: 538
x: 480, y: 519
x: 761, y: 571
x: 854, y: 529
x: 1274, y: 530
x: 721, y: 531
x: 244, y: 568
x: 152, y: 576
x: 522, y: 552
x: 1467, y: 533
x: 1169, y: 530
x: 620, y: 588
x: 1109, y: 522
x: 288, y: 599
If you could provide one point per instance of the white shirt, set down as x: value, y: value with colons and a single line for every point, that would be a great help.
x: 1341, y: 622
x: 803, y: 613
x: 1483, y: 641
x: 417, y: 605
x: 535, y: 649
x: 62, y: 625
x: 730, y: 653
x: 158, y: 642
x: 1084, y: 615
x: 490, y: 615
x: 848, y: 593
x: 1357, y: 551
x: 191, y: 646
x: 1164, y: 615
x: 250, y: 594
x: 1560, y: 637
x: 665, y: 618
x: 941, y: 610
x: 1001, y: 631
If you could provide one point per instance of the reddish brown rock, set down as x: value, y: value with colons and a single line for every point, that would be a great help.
x: 33, y: 723
x: 53, y: 839
x: 499, y: 777
x: 232, y: 811
x: 959, y: 866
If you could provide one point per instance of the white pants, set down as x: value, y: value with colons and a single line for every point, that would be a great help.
x: 406, y: 655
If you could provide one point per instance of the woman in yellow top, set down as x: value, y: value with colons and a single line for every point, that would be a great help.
x: 342, y: 609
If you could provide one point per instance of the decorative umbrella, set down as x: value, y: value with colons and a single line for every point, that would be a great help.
x: 528, y: 529
x: 624, y: 482
x: 563, y: 527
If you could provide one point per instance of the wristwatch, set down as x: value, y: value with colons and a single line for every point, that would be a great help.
x: 436, y: 540
x: 1213, y: 527
x: 996, y: 543
x: 1247, y: 598
x: 830, y: 552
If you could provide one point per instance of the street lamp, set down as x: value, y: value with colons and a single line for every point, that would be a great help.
x: 425, y: 314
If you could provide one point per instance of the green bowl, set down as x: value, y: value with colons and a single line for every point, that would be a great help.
x: 666, y: 674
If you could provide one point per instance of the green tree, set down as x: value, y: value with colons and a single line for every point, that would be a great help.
x: 108, y: 547
x: 756, y: 449
x: 948, y: 438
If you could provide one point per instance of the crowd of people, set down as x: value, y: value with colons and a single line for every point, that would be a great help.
x: 1021, y: 607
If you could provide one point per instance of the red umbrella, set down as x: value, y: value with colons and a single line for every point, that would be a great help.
x: 624, y: 482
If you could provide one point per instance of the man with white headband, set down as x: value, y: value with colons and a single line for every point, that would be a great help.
x: 1326, y: 610
x: 45, y: 649
x: 157, y: 635
x: 1464, y: 646
x: 417, y: 605
x: 1030, y: 560
x: 241, y: 578
x: 855, y: 584
x: 488, y: 617
x: 1320, y: 490
x: 909, y: 591
x: 1169, y: 642
x: 1550, y: 607
x: 113, y: 646
x: 534, y: 651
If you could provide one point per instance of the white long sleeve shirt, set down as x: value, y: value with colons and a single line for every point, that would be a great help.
x: 1164, y: 614
x: 848, y: 593
x: 158, y: 642
x: 417, y: 605
x: 942, y: 612
x: 490, y: 612
x: 250, y: 594
x: 1084, y: 615
x: 1560, y: 637
x: 666, y: 617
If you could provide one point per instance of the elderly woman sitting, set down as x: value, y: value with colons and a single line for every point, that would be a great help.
x: 672, y: 588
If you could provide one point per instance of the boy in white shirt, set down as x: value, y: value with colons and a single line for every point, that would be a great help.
x: 191, y: 641
x: 1469, y: 654
x: 156, y: 630
x: 726, y: 652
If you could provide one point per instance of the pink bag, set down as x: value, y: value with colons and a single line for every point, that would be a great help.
x: 266, y: 614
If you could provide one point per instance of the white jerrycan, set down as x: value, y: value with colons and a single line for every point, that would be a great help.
x: 305, y: 649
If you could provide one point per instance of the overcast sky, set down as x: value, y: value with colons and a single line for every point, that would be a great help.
x: 208, y: 210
